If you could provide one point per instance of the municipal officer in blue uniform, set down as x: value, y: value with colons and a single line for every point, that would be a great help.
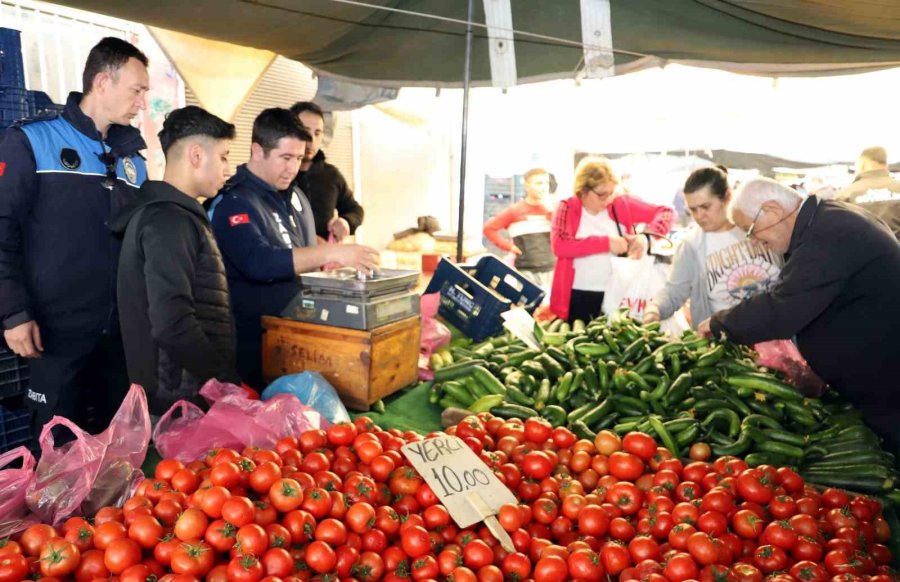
x: 266, y: 231
x: 62, y: 179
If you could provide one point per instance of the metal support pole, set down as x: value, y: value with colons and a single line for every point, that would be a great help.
x: 467, y: 74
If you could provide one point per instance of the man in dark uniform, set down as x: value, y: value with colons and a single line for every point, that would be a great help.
x: 63, y: 178
x: 874, y: 189
x: 265, y: 230
x: 336, y: 212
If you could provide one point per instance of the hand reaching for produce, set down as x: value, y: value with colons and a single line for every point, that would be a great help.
x: 651, y: 316
x: 617, y: 246
x: 637, y: 246
x: 704, y: 330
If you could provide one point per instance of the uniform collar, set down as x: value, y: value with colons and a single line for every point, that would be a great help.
x: 804, y: 219
x: 123, y: 140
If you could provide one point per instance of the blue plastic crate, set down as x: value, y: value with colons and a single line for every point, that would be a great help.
x: 13, y: 104
x: 15, y: 428
x: 14, y: 374
x: 39, y: 103
x: 473, y: 297
x: 12, y: 67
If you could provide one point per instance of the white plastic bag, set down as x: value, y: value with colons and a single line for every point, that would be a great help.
x: 632, y: 286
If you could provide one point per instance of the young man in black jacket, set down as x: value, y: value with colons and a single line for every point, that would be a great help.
x: 336, y: 211
x: 173, y: 296
x: 837, y: 295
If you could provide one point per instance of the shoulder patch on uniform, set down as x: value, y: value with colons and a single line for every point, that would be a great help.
x: 236, y: 219
x: 69, y: 158
x: 130, y: 170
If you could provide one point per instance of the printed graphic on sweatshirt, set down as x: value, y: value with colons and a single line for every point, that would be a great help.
x: 740, y: 271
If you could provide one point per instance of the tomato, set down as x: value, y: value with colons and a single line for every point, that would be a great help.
x: 781, y: 534
x: 81, y: 536
x: 718, y: 499
x: 640, y: 444
x: 703, y: 548
x: 782, y: 507
x: 625, y: 466
x: 35, y: 537
x: 593, y: 521
x: 8, y: 547
x: 742, y: 572
x: 644, y: 548
x: 477, y: 554
x: 320, y: 557
x: 245, y: 568
x: 626, y: 496
x: 91, y: 567
x: 146, y: 531
x: 106, y: 533
x: 585, y: 565
x: 713, y: 522
x: 607, y: 442
x: 679, y: 535
x: 808, y: 571
x: 537, y: 465
x: 137, y: 573
x: 807, y: 548
x: 832, y: 497
x: 840, y: 517
x: 193, y: 558
x: 747, y: 524
x: 369, y: 567
x: 687, y: 491
x: 770, y: 558
x: 700, y: 452
x: 615, y: 557
x: 415, y: 541
x: 516, y: 565
x: 753, y: 485
x: 550, y: 569
x: 252, y: 539
x: 537, y: 430
x: 121, y: 554
x: 13, y: 567
x: 185, y: 481
x: 680, y: 567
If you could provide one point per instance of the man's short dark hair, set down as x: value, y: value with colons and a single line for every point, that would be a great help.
x: 306, y: 106
x: 109, y: 55
x: 190, y: 121
x: 273, y: 124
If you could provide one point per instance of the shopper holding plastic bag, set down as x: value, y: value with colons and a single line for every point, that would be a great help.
x: 716, y: 266
x: 591, y: 228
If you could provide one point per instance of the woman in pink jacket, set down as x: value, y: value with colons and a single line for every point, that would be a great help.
x: 588, y: 230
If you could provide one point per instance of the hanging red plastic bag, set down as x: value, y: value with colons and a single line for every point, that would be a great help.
x: 233, y: 421
x: 13, y: 484
x: 435, y: 334
x: 783, y: 355
x: 91, y: 471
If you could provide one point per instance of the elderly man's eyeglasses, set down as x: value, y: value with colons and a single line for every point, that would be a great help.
x: 753, y: 224
x: 109, y: 160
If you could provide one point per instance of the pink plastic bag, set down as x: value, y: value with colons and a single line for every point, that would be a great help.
x: 233, y: 421
x: 91, y: 471
x: 435, y: 334
x: 783, y: 355
x: 13, y: 484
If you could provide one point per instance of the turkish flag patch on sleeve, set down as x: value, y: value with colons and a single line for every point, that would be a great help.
x: 236, y: 219
x: 2, y: 168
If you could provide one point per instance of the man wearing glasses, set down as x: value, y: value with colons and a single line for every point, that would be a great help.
x: 62, y: 179
x: 837, y: 295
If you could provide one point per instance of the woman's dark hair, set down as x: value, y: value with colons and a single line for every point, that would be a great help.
x: 716, y: 177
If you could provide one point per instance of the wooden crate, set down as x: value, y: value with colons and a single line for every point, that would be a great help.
x: 363, y: 366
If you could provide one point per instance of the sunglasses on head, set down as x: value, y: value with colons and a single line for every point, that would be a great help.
x: 109, y: 160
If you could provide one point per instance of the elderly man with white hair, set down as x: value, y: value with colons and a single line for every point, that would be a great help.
x: 837, y: 295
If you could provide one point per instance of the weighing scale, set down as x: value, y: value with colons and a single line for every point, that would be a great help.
x: 349, y: 299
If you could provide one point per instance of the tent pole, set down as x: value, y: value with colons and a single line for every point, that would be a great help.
x: 467, y: 74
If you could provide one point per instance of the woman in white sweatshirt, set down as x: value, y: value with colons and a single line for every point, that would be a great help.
x: 716, y: 266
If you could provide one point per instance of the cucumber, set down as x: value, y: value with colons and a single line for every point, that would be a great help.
x: 457, y: 370
x: 513, y: 411
x: 597, y: 414
x: 767, y: 385
x: 556, y: 415
x: 457, y: 392
x: 488, y: 381
x: 783, y: 449
x: 582, y: 431
x: 486, y: 403
x: 757, y: 459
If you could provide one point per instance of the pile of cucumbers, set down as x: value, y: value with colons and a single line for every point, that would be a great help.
x: 622, y: 376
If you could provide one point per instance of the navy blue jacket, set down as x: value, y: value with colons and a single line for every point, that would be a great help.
x: 58, y: 256
x: 256, y: 228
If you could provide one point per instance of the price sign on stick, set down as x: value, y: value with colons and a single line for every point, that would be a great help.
x: 463, y: 482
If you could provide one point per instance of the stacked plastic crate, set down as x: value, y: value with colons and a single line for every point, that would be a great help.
x: 13, y: 95
x: 15, y: 420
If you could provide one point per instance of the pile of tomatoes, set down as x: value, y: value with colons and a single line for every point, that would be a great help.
x: 344, y: 504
